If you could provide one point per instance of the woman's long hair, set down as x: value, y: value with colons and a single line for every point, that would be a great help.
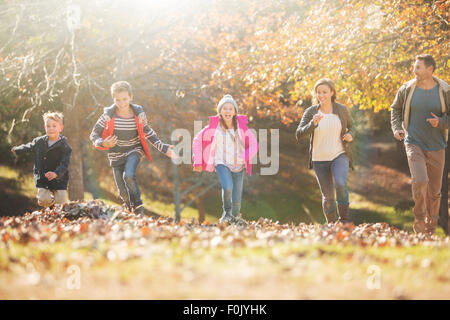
x: 327, y: 82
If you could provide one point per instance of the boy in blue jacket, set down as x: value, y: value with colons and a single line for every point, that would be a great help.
x: 51, y: 161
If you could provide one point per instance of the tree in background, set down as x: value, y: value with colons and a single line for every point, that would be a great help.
x: 182, y: 56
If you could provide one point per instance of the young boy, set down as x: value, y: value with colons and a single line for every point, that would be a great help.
x: 122, y: 130
x: 51, y: 161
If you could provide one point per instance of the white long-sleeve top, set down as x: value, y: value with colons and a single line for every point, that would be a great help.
x: 228, y: 148
x: 327, y: 144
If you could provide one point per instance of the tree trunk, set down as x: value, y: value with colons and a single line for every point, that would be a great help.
x: 72, y: 132
x: 201, y: 209
x: 176, y: 193
x: 443, y: 211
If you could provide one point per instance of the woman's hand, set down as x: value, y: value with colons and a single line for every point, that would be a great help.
x: 316, y: 118
x: 110, y: 142
x: 13, y: 150
x: 347, y: 137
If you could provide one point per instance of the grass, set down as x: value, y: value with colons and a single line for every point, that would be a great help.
x: 283, y: 207
x: 26, y: 182
x: 167, y: 270
x: 278, y: 205
x: 366, y: 211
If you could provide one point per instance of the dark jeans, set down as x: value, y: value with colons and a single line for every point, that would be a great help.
x: 232, y: 183
x: 126, y: 182
x: 331, y: 176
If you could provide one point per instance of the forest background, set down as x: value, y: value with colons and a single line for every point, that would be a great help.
x: 181, y: 57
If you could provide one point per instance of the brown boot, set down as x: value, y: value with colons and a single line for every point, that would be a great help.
x: 344, y: 213
x: 419, y: 226
x: 331, y: 217
x: 431, y: 224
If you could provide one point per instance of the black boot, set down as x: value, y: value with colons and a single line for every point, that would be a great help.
x: 344, y: 213
x: 139, y: 210
x: 330, y: 217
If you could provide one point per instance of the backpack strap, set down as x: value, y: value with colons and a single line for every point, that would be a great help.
x: 140, y: 126
x: 108, y: 130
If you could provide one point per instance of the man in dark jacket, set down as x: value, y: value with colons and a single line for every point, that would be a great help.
x: 51, y: 161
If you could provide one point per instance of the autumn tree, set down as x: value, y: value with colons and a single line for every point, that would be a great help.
x: 182, y: 56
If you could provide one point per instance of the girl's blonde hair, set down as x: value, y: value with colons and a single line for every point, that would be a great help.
x: 53, y: 115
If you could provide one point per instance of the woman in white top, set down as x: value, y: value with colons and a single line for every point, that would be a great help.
x: 330, y: 128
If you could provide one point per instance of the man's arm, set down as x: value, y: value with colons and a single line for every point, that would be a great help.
x: 397, y: 110
x: 444, y: 121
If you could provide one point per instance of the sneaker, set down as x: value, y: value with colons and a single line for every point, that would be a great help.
x: 226, y: 217
x: 139, y: 210
x: 46, y: 205
x: 126, y: 207
x: 239, y: 221
x: 52, y: 206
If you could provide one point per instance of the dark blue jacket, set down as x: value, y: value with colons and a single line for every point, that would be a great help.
x: 56, y: 159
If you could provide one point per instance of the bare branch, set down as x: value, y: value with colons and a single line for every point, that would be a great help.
x: 192, y: 187
x: 13, y: 33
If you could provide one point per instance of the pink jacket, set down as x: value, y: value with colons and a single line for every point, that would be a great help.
x: 203, y: 146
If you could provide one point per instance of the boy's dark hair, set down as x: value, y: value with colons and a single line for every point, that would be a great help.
x: 121, y: 86
x: 427, y: 60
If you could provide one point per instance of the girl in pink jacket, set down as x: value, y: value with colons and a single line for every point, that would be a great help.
x: 226, y: 145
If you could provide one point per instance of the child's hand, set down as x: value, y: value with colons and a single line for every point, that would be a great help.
x: 110, y: 142
x: 13, y: 151
x: 51, y: 175
x: 198, y: 169
x: 171, y: 154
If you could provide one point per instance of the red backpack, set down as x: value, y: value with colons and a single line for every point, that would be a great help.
x: 109, y: 131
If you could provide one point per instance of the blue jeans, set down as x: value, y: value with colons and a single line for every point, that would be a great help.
x: 126, y: 182
x: 328, y: 172
x: 231, y: 183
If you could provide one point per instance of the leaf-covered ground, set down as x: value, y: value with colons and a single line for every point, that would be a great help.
x: 91, y: 250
